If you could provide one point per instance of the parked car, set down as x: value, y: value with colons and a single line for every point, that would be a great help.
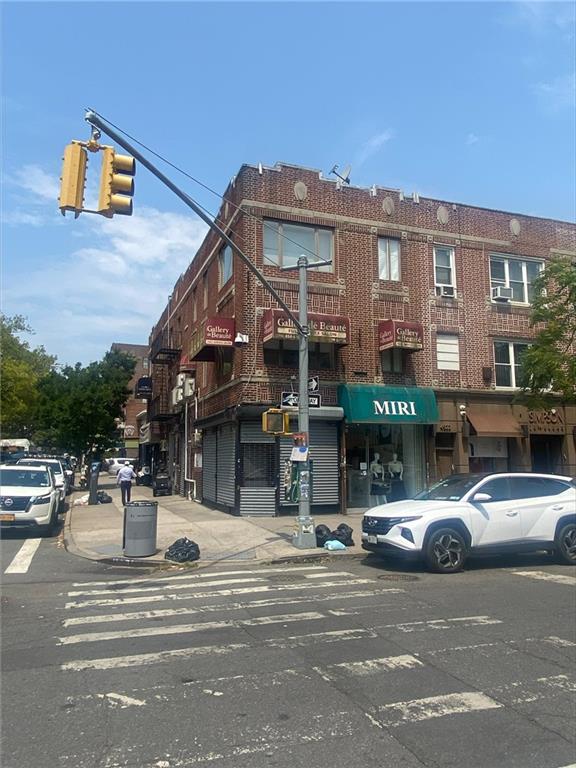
x: 62, y: 482
x: 466, y: 514
x: 114, y: 465
x: 28, y: 497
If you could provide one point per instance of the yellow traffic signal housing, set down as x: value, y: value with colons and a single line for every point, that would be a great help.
x: 116, y: 183
x: 73, y: 179
x: 276, y: 421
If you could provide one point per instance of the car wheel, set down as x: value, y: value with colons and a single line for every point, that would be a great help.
x: 566, y: 544
x: 49, y: 529
x: 446, y: 551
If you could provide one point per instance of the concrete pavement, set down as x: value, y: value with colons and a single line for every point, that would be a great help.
x: 95, y: 531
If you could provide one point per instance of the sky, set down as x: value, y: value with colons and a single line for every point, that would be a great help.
x: 466, y: 102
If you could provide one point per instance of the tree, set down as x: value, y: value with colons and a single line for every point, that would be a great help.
x: 21, y: 368
x: 78, y: 407
x: 549, y: 364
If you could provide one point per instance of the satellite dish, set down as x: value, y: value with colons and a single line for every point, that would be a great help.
x: 345, y: 176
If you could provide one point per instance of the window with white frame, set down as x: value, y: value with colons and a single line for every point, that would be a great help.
x: 225, y: 265
x: 444, y: 272
x: 388, y: 259
x: 514, y: 273
x: 285, y: 243
x: 447, y: 352
x: 508, y: 362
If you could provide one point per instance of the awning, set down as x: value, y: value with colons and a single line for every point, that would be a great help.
x: 213, y: 333
x: 331, y: 329
x: 373, y: 404
x: 494, y: 421
x: 400, y: 334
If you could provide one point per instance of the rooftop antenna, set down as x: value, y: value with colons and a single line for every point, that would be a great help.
x: 344, y: 176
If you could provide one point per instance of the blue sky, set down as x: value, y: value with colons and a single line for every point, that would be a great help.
x: 467, y: 102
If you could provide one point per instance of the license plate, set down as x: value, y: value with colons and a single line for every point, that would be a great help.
x: 7, y: 518
x: 372, y: 540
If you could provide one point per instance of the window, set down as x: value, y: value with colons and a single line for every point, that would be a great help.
x: 194, y: 306
x: 388, y: 259
x: 444, y: 276
x: 205, y: 289
x: 145, y: 364
x: 507, y: 360
x: 225, y: 265
x: 392, y: 361
x: 284, y: 353
x: 447, y: 352
x: 534, y: 487
x: 285, y: 243
x: 518, y: 274
x: 498, y: 489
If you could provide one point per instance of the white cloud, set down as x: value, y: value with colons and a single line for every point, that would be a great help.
x: 372, y: 146
x: 472, y: 138
x: 34, y: 179
x: 18, y: 218
x: 559, y: 92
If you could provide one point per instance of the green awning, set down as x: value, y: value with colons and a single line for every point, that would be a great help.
x: 376, y: 404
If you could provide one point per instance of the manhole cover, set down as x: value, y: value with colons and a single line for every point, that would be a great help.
x: 398, y: 577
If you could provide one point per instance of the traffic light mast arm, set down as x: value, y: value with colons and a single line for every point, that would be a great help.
x: 97, y: 122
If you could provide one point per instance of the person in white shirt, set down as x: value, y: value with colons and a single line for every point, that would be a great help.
x: 124, y: 479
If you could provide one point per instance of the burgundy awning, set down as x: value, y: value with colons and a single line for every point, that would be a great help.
x: 213, y: 333
x: 330, y: 329
x: 400, y: 334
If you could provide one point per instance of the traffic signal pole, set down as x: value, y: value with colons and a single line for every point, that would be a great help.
x: 304, y: 536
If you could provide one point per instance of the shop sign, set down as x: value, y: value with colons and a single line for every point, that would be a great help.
x: 144, y: 433
x: 129, y: 431
x: 400, y: 334
x: 333, y: 329
x: 214, y: 332
x: 380, y: 404
x: 549, y: 422
x: 143, y: 389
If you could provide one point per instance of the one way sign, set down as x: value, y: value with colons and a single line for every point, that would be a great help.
x: 313, y: 384
x: 291, y: 400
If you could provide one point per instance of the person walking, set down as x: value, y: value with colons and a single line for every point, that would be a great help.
x: 124, y: 479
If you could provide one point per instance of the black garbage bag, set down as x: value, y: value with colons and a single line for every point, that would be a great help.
x: 344, y: 534
x: 183, y: 550
x: 103, y: 498
x: 322, y: 535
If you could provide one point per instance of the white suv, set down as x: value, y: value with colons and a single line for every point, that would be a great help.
x: 463, y: 514
x: 29, y: 497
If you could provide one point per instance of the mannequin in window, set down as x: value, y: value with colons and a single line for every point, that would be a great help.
x: 378, y: 486
x: 396, y: 470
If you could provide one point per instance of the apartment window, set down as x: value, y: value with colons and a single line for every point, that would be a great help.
x: 517, y: 274
x: 194, y: 306
x: 507, y: 361
x: 447, y: 352
x: 225, y: 265
x: 145, y: 363
x: 444, y: 273
x: 388, y: 259
x: 205, y: 289
x: 285, y: 243
x: 392, y: 361
x: 284, y: 353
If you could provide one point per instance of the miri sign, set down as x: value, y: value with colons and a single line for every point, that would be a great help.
x: 372, y: 404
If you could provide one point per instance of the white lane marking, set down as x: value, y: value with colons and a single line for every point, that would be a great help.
x: 556, y: 578
x: 559, y: 641
x: 241, y: 605
x: 23, y: 558
x: 216, y: 593
x: 139, y: 659
x: 124, y: 701
x: 458, y: 622
x: 401, y: 712
x: 182, y: 629
x: 333, y: 636
x: 508, y: 645
x: 369, y: 666
x: 215, y: 583
x: 208, y: 575
x: 339, y: 574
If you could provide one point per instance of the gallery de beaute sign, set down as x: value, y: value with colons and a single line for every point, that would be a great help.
x: 400, y: 334
x: 333, y: 329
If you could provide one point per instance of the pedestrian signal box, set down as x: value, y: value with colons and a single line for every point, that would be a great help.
x: 276, y: 422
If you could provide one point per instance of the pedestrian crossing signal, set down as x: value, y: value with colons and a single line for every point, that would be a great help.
x: 276, y: 422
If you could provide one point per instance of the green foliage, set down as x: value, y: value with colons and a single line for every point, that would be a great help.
x: 549, y: 365
x: 77, y: 406
x: 20, y: 370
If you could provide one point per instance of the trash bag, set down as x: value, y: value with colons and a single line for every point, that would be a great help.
x: 183, y: 550
x: 333, y: 545
x: 322, y: 535
x: 345, y: 534
x: 103, y: 498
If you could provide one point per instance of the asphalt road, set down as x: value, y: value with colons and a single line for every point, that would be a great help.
x: 347, y: 666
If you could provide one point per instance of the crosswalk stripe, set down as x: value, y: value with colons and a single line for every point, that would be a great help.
x: 453, y: 623
x: 391, y: 715
x: 369, y: 666
x: 556, y: 578
x: 186, y: 585
x: 237, y: 606
x: 177, y: 629
x: 23, y: 559
x: 214, y: 593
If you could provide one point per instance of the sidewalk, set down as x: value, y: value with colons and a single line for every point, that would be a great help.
x: 95, y: 531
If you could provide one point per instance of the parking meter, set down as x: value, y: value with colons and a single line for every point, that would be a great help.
x: 93, y: 482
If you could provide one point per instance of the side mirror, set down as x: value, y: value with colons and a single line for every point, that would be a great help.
x: 480, y: 497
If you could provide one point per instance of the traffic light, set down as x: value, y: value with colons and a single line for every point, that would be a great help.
x: 73, y: 179
x: 276, y: 421
x: 116, y: 183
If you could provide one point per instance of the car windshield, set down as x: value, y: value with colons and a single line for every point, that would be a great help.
x: 451, y: 488
x: 56, y: 466
x: 25, y: 478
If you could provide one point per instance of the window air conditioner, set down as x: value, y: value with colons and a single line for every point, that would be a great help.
x: 446, y: 291
x: 501, y: 293
x: 189, y: 387
x: 177, y: 395
x: 180, y: 379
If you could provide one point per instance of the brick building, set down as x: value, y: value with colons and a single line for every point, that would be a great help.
x: 135, y: 409
x: 417, y: 328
